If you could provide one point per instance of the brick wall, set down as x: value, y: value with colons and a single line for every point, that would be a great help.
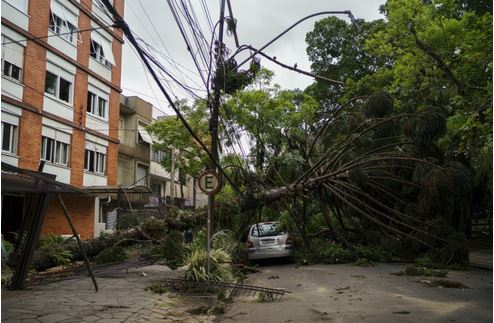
x: 114, y: 115
x: 81, y: 210
x: 81, y: 79
x: 112, y: 164
x: 29, y: 148
x: 34, y: 87
x: 78, y: 144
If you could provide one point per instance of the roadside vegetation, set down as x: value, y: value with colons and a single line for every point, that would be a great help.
x: 389, y: 163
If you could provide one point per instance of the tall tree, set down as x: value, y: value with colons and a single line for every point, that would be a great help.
x: 337, y: 51
x: 171, y: 134
x: 442, y: 54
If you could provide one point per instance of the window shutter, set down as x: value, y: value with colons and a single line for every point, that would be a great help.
x: 12, y: 52
x: 8, y: 118
x: 64, y: 13
x: 48, y: 132
x: 63, y: 137
x: 57, y: 9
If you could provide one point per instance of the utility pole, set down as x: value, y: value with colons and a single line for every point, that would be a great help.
x: 172, y: 179
x: 215, y: 107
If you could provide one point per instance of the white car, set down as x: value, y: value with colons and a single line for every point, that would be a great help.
x: 269, y: 240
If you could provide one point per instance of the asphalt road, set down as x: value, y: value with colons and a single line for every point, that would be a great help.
x: 350, y: 293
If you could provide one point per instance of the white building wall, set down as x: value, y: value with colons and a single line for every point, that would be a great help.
x: 16, y: 10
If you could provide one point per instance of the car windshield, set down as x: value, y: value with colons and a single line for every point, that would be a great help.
x: 267, y: 230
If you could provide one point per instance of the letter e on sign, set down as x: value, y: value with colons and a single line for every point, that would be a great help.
x: 209, y: 182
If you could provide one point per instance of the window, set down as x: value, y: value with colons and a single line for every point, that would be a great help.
x: 100, y: 5
x: 54, y: 151
x: 156, y: 189
x: 181, y: 177
x: 95, y: 162
x: 143, y: 136
x: 97, y: 103
x: 158, y: 156
x: 63, y: 22
x: 100, y: 11
x: 10, y: 70
x: 95, y: 158
x: 267, y: 230
x: 121, y: 130
x: 21, y: 5
x: 64, y: 90
x: 100, y: 49
x: 12, y: 59
x: 55, y: 146
x: 9, y: 137
x: 141, y: 175
x: 59, y: 83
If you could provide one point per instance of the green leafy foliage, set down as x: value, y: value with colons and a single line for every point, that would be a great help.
x: 224, y: 240
x: 196, y: 266
x: 328, y: 252
x: 171, y: 133
x: 378, y: 105
x: 154, y: 228
x: 323, y: 251
x: 277, y: 123
x: 171, y: 250
x: 442, y: 54
x: 337, y: 51
x: 52, y: 247
x: 199, y: 241
x: 126, y: 221
x: 112, y: 254
x: 7, y: 248
x: 229, y: 79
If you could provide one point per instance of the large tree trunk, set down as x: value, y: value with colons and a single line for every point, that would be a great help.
x: 42, y: 260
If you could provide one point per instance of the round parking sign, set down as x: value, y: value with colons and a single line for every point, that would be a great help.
x: 209, y: 182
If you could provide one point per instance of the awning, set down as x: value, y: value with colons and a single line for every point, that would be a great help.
x: 105, y: 44
x: 62, y: 12
x: 144, y: 134
x: 114, y: 189
x: 20, y: 180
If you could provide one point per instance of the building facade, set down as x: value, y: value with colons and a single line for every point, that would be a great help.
x: 135, y: 142
x: 139, y: 163
x: 61, y: 70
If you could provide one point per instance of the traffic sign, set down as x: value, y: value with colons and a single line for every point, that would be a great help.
x: 210, y: 182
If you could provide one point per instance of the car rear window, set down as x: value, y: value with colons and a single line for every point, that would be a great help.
x: 267, y: 230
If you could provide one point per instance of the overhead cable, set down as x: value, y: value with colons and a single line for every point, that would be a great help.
x: 126, y: 30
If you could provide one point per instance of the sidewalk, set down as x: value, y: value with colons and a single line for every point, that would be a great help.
x: 481, y: 258
x: 121, y: 298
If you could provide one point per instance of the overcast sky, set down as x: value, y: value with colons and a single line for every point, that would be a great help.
x: 258, y: 21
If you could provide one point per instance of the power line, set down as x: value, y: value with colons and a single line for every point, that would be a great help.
x: 274, y: 60
x: 346, y: 12
x: 149, y: 83
x: 174, y: 63
x: 194, y: 29
x: 207, y: 15
x: 171, y: 61
x: 55, y: 35
x: 186, y: 39
x: 125, y: 28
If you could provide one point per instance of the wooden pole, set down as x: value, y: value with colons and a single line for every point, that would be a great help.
x: 79, y: 243
x: 172, y: 180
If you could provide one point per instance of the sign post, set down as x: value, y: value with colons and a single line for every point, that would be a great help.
x: 210, y: 184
